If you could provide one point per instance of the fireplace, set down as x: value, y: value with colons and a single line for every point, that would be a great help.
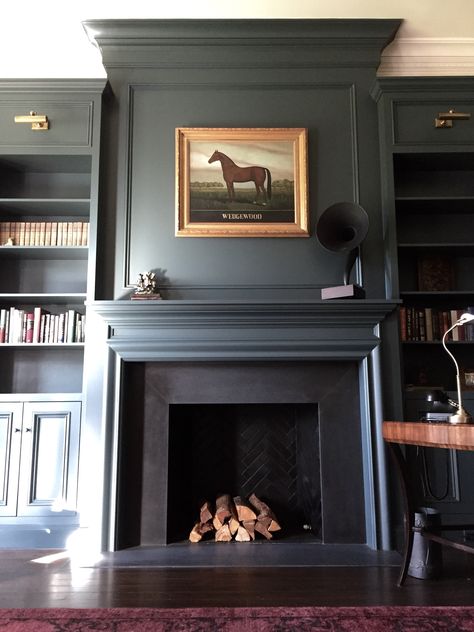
x: 164, y: 376
x: 290, y: 432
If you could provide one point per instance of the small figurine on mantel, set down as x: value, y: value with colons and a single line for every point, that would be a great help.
x: 145, y: 288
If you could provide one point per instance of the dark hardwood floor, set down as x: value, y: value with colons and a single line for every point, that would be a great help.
x: 25, y: 583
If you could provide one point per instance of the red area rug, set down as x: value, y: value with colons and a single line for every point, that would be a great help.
x: 317, y: 619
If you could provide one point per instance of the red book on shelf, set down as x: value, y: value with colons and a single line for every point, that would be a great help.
x: 30, y: 319
x: 3, y: 325
x: 403, y: 324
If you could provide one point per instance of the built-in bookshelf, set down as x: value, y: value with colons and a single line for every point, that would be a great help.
x: 427, y: 167
x: 48, y: 227
x: 434, y: 205
x: 45, y: 219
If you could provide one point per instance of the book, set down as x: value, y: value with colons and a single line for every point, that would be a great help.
x: 403, y: 323
x: 29, y: 326
x: 429, y: 324
x: 54, y: 233
x: 435, y: 273
x: 59, y: 239
x: 71, y: 325
x: 47, y: 234
x: 37, y: 313
x: 3, y: 324
x: 22, y: 231
x: 85, y: 234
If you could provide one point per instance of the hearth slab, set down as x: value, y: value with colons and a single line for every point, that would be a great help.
x: 249, y: 555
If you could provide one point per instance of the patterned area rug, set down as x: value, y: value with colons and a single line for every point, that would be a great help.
x: 306, y: 619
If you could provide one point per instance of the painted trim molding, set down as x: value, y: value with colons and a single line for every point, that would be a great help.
x: 242, y: 330
x: 418, y: 57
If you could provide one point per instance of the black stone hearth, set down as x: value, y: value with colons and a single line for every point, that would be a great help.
x: 290, y: 431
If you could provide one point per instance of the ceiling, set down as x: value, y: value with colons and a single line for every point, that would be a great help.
x: 47, y: 40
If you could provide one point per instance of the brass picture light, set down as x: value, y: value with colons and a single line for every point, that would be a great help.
x: 445, y: 119
x: 38, y: 121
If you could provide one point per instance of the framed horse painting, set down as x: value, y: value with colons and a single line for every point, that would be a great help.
x: 241, y: 182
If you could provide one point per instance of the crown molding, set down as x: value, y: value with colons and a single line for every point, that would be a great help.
x: 416, y: 57
x: 239, y: 43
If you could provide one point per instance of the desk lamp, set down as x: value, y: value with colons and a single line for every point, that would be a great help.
x: 461, y: 417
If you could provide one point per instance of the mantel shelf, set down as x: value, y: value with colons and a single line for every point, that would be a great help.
x: 234, y: 330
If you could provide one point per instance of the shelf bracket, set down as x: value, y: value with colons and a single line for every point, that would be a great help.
x: 38, y: 121
x: 445, y: 119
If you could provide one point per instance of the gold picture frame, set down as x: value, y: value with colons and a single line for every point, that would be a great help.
x: 241, y: 182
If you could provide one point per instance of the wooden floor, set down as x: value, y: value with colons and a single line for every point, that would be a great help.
x: 25, y: 583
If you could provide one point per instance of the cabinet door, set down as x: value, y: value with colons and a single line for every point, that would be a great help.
x: 10, y: 445
x: 49, y: 459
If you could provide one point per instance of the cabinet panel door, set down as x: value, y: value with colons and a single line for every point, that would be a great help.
x: 10, y: 445
x: 49, y: 459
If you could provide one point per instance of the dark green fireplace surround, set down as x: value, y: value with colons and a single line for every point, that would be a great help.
x: 236, y: 300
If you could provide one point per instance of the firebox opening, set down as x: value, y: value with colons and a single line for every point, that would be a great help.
x: 307, y: 411
x: 271, y: 450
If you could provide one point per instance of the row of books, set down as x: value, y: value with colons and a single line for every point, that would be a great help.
x: 427, y: 324
x: 44, y: 233
x: 37, y: 325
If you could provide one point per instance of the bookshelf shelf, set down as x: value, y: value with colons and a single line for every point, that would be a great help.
x: 30, y: 298
x: 51, y: 207
x: 44, y: 252
x: 437, y: 342
x: 42, y: 345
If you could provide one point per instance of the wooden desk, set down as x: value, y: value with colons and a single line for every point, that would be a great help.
x: 432, y: 435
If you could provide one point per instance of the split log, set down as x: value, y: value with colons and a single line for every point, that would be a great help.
x: 242, y: 535
x: 262, y: 529
x: 224, y: 508
x: 199, y: 530
x: 223, y: 534
x: 265, y: 515
x: 216, y: 523
x: 244, y: 510
x: 233, y: 525
x: 206, y: 513
x: 250, y: 526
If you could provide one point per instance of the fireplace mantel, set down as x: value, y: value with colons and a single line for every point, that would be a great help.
x: 206, y: 332
x: 246, y: 330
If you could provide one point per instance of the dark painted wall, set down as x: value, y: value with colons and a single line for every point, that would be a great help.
x: 315, y: 74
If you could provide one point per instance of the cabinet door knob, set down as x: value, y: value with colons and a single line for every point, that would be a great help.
x: 28, y: 429
x: 17, y: 429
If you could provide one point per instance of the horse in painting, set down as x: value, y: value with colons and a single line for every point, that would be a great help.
x: 233, y: 173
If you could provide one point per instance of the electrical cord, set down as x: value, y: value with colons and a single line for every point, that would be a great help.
x: 425, y: 477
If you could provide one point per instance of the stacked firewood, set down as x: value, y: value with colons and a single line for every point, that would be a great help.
x: 235, y: 519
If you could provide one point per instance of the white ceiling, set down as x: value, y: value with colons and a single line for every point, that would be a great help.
x: 47, y: 39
